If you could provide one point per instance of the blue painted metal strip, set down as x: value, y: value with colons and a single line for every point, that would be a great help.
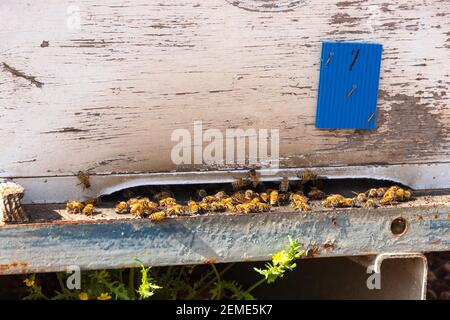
x: 348, y: 86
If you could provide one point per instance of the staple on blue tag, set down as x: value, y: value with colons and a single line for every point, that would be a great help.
x: 348, y: 85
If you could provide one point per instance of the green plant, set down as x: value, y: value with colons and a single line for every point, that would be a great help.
x: 173, y: 282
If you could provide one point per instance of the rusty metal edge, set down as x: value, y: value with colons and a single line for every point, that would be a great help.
x: 215, y: 239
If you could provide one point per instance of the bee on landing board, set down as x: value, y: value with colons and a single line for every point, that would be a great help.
x: 122, y: 208
x: 74, y: 207
x: 274, y: 198
x: 157, y: 216
x: 88, y: 209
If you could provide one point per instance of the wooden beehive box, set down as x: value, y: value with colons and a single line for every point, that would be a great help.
x: 99, y: 86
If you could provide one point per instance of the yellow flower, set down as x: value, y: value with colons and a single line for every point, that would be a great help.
x: 84, y: 296
x: 104, y: 296
x: 29, y: 282
x: 280, y: 257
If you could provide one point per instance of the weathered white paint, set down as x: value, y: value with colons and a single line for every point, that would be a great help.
x: 114, y: 90
x: 62, y: 188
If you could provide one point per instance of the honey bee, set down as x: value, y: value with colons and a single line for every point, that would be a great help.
x: 308, y: 176
x: 162, y: 195
x: 157, y: 216
x: 228, y: 203
x: 381, y: 192
x: 137, y: 209
x: 201, y: 193
x: 122, y: 208
x: 372, y: 193
x: 238, y: 197
x: 83, y: 177
x: 250, y: 194
x: 347, y: 202
x: 360, y: 197
x: 239, y: 183
x: 217, y: 206
x: 262, y: 207
x: 209, y: 199
x: 298, y: 198
x: 370, y: 203
x: 274, y: 198
x: 166, y: 202
x: 194, y: 207
x: 149, y: 206
x: 315, y: 193
x: 388, y: 198
x: 221, y: 195
x: 332, y: 201
x: 264, y: 197
x: 253, y: 178
x: 74, y: 207
x: 402, y: 195
x: 284, y: 185
x: 175, y: 210
x: 300, y: 205
x: 244, y: 208
x: 88, y: 209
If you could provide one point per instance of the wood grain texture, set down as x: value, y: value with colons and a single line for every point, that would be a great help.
x: 112, y: 92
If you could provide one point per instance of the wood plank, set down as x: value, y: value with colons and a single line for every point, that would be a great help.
x: 113, y: 91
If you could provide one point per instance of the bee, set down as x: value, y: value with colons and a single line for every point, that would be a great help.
x: 175, y: 210
x: 162, y: 195
x: 360, y: 197
x: 315, y: 193
x: 262, y: 207
x: 88, y: 209
x: 74, y: 207
x: 264, y: 197
x: 217, y: 206
x: 300, y: 205
x: 209, y: 199
x: 244, y: 208
x: 201, y: 193
x: 83, y: 177
x: 298, y: 198
x: 194, y: 208
x: 239, y: 183
x: 228, y: 203
x: 149, y: 206
x: 347, y: 202
x: 284, y: 185
x: 332, y: 201
x: 253, y: 178
x: 166, y: 202
x: 381, y: 192
x: 157, y: 216
x: 122, y: 208
x: 402, y: 195
x: 137, y: 209
x: 388, y: 198
x: 274, y: 198
x: 221, y: 195
x: 308, y: 176
x: 372, y: 193
x: 370, y: 203
x: 250, y: 194
x: 238, y: 197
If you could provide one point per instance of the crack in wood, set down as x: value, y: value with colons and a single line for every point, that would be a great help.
x: 20, y: 74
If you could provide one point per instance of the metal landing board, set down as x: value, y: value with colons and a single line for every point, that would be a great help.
x: 108, y: 240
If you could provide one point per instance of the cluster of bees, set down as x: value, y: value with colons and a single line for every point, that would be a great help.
x: 249, y: 195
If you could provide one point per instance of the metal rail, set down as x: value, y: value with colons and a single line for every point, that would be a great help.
x: 106, y: 241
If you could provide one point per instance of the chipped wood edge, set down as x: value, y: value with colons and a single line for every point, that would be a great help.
x: 11, y: 210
